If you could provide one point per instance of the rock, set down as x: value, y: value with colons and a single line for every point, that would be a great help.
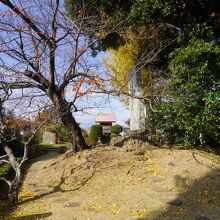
x: 176, y: 202
x: 171, y: 164
x: 135, y: 132
x: 133, y: 145
x: 118, y: 141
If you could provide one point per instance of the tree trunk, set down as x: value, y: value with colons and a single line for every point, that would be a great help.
x: 14, y: 185
x: 73, y: 128
x: 13, y: 196
x: 64, y: 109
x: 14, y: 189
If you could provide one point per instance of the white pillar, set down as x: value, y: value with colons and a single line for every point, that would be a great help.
x: 137, y: 107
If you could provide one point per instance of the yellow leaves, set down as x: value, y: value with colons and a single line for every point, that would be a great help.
x: 123, y: 60
x: 139, y: 213
x: 120, y: 62
x: 154, y: 168
x: 115, y: 209
x: 206, y: 198
x: 94, y: 207
x: 26, y: 195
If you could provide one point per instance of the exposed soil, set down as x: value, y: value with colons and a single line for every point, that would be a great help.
x: 122, y: 184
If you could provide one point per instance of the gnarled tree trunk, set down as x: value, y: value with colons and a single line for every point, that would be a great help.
x: 15, y: 184
x: 74, y: 130
x: 75, y: 134
x: 14, y: 189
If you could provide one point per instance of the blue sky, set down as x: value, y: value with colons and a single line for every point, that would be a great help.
x: 90, y: 105
x: 113, y: 105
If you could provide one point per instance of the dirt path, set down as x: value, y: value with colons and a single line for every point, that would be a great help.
x: 117, y: 184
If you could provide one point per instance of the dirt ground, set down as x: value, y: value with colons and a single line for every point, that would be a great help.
x: 121, y: 184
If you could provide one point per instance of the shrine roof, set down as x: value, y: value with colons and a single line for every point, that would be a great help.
x: 105, y: 118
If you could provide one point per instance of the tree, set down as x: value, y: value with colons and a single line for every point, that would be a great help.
x: 46, y: 52
x: 133, y: 54
x: 8, y: 134
x: 188, y: 24
x: 196, y: 84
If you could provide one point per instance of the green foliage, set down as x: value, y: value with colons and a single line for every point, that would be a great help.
x: 195, y: 31
x: 191, y: 115
x: 36, y: 150
x: 137, y: 13
x: 194, y: 113
x: 95, y: 133
x: 149, y: 11
x: 116, y: 129
x: 177, y: 13
x: 6, y: 170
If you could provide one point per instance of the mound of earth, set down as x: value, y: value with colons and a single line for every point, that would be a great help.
x: 126, y: 183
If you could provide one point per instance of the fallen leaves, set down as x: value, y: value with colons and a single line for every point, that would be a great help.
x: 139, y: 213
x: 115, y: 209
x: 94, y: 208
x: 26, y: 195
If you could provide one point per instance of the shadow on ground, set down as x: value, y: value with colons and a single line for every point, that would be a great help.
x: 199, y: 200
x: 34, y: 216
x: 5, y: 210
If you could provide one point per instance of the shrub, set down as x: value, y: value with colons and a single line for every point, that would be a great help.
x: 95, y: 133
x: 6, y: 170
x: 35, y: 151
x: 116, y: 129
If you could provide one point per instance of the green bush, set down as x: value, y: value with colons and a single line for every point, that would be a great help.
x: 95, y: 133
x: 192, y: 116
x: 35, y: 151
x: 196, y: 91
x: 6, y: 170
x: 116, y: 129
